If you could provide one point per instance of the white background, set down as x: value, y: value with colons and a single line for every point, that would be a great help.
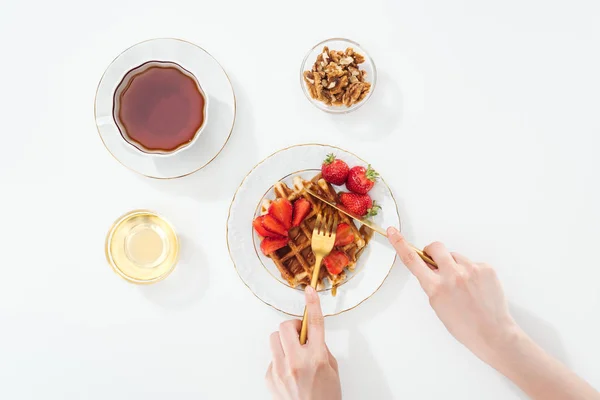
x: 485, y: 123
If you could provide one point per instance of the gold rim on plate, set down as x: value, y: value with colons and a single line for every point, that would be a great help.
x: 229, y: 216
x: 230, y: 130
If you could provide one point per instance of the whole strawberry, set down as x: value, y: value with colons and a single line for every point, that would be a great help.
x: 361, y: 179
x: 334, y: 171
x: 359, y: 204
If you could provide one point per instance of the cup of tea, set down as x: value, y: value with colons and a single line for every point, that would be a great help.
x: 160, y: 108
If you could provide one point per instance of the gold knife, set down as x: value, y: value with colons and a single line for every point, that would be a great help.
x: 371, y: 225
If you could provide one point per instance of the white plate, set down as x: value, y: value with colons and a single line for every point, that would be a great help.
x: 220, y: 115
x: 260, y: 274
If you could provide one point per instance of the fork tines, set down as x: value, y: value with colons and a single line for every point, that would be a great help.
x: 326, y: 224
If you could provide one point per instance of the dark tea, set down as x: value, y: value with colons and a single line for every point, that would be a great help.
x: 159, y: 107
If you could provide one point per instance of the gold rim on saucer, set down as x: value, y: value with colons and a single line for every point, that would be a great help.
x: 142, y: 247
x: 131, y: 159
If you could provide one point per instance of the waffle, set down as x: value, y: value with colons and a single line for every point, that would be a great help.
x: 296, y: 261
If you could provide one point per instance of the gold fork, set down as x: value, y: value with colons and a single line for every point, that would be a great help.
x: 323, y: 239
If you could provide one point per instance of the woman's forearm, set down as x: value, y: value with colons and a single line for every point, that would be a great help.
x: 469, y: 300
x: 537, y: 373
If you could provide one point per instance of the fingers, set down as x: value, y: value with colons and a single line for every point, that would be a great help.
x: 411, y: 259
x: 332, y: 361
x: 440, y: 255
x: 316, y: 323
x: 269, y: 374
x: 289, y: 335
x: 271, y: 381
x: 486, y: 268
x: 276, y: 351
x: 464, y: 261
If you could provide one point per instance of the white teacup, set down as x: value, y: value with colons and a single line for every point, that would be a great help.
x: 124, y: 85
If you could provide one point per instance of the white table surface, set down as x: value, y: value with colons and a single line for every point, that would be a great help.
x: 485, y: 122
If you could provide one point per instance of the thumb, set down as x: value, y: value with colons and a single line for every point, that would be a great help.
x: 316, y: 324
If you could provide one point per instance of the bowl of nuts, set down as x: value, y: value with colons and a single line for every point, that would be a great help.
x: 338, y: 76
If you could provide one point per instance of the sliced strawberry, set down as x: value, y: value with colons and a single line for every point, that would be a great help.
x: 257, y: 224
x: 281, y: 209
x: 261, y: 230
x: 344, y: 235
x: 270, y: 245
x: 301, y: 209
x: 335, y: 262
x: 272, y: 225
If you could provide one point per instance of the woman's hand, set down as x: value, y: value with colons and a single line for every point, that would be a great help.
x: 466, y: 296
x: 306, y: 372
x: 468, y: 299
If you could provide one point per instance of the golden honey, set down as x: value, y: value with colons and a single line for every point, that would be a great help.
x: 142, y: 247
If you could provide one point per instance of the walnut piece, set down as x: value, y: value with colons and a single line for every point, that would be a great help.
x: 335, y: 78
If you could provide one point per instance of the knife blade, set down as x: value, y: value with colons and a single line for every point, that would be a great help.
x: 370, y: 224
x: 358, y: 218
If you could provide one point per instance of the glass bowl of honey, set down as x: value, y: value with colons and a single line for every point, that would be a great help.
x: 142, y: 247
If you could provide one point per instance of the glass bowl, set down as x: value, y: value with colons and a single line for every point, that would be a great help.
x: 338, y: 44
x: 142, y: 247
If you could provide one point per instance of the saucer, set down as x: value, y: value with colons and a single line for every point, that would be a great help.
x: 220, y: 113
